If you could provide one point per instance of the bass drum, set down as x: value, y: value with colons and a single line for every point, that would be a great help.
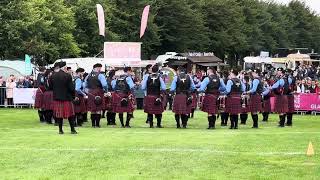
x: 167, y: 75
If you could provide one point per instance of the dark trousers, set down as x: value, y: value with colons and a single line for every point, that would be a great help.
x: 224, y: 118
x: 10, y: 102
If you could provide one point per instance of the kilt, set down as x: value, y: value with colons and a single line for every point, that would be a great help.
x: 63, y: 109
x: 38, y: 99
x: 108, y: 103
x: 290, y: 103
x: 180, y: 105
x: 47, y: 100
x: 255, y: 104
x: 233, y: 104
x: 92, y: 107
x: 281, y: 104
x: 149, y: 106
x: 209, y: 104
x: 81, y: 108
x: 194, y: 101
x: 116, y: 103
x: 266, y: 105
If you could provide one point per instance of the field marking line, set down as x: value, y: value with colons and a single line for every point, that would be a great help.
x: 164, y: 150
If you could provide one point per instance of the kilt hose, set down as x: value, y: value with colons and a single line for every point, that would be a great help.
x: 38, y: 99
x: 209, y: 103
x: 108, y: 103
x: 255, y: 104
x: 116, y: 103
x: 266, y: 106
x: 194, y: 101
x: 281, y: 104
x: 63, y: 109
x: 92, y: 107
x: 233, y: 104
x: 180, y: 105
x: 150, y: 107
x: 81, y: 107
x: 47, y: 100
x: 290, y: 103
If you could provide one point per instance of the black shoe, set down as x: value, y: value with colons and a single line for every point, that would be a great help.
x: 128, y: 126
x: 159, y: 126
x: 61, y: 132
x: 280, y: 126
x: 254, y: 127
x: 184, y: 127
x: 289, y: 125
x: 235, y: 128
x: 178, y: 127
x: 74, y: 132
x: 231, y: 128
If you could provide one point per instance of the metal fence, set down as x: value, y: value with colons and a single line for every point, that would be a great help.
x: 6, y: 99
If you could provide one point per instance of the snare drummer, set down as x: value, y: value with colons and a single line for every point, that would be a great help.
x: 212, y: 86
x: 96, y: 84
x: 255, y: 92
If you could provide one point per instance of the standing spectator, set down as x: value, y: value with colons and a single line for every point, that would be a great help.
x: 313, y: 87
x: 22, y: 83
x: 10, y: 85
x: 318, y: 88
x: 2, y: 91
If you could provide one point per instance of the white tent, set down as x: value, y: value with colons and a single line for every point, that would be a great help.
x: 17, y: 68
x: 258, y: 60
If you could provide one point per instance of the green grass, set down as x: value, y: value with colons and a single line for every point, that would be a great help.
x: 30, y: 150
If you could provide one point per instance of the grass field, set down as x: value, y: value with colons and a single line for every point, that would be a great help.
x: 30, y: 150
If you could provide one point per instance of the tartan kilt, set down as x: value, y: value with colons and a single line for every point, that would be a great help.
x: 179, y: 105
x: 281, y: 104
x: 266, y: 105
x: 116, y: 103
x: 255, y: 104
x: 290, y: 103
x: 47, y: 100
x: 108, y: 103
x: 194, y: 101
x: 63, y: 109
x: 209, y: 104
x: 150, y: 107
x: 92, y: 107
x: 233, y: 104
x: 81, y: 108
x: 85, y: 105
x: 38, y: 101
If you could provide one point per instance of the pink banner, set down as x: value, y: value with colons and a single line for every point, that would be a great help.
x: 122, y: 52
x: 304, y: 102
x: 101, y: 20
x: 144, y: 20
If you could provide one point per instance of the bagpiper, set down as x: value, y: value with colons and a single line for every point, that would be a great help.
x: 155, y: 89
x: 255, y: 101
x: 182, y: 85
x: 212, y: 86
x: 79, y: 103
x: 122, y: 97
x: 96, y: 84
x: 39, y: 94
x: 234, y: 89
x: 281, y: 90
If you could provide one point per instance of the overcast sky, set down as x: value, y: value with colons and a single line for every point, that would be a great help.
x: 313, y: 4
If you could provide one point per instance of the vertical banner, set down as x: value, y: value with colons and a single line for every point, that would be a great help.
x: 28, y: 68
x: 101, y: 20
x: 144, y: 20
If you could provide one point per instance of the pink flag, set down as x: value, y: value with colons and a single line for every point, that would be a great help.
x: 144, y: 20
x: 101, y: 20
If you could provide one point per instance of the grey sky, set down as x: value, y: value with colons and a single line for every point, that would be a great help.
x: 313, y: 4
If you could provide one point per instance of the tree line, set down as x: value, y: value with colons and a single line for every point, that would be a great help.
x: 232, y: 29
